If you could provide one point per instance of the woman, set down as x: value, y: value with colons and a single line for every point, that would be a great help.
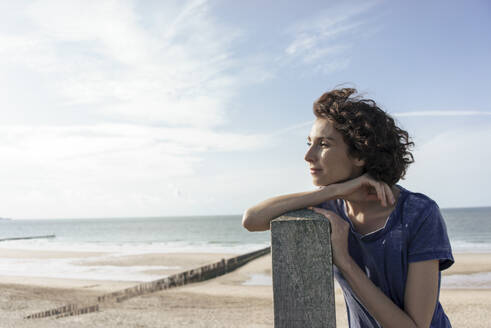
x: 389, y: 244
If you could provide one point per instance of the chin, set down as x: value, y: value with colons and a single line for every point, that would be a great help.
x: 319, y: 183
x: 326, y: 181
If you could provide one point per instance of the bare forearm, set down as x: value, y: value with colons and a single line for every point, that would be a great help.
x: 258, y: 217
x: 375, y: 301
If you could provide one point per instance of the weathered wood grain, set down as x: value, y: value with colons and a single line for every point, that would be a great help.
x: 303, y: 283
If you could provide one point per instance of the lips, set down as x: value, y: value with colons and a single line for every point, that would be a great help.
x: 314, y: 171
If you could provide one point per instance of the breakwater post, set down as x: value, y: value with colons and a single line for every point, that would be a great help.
x: 202, y: 273
x: 28, y: 237
x: 303, y: 286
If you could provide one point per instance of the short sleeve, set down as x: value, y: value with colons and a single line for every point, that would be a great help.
x: 334, y: 205
x: 328, y: 205
x: 429, y: 239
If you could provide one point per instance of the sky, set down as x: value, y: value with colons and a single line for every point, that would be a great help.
x: 163, y: 108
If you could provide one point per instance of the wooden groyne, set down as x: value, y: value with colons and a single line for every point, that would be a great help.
x: 199, y: 274
x: 28, y: 237
x: 65, y: 311
x: 202, y: 273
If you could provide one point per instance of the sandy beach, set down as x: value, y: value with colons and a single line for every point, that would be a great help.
x: 227, y: 301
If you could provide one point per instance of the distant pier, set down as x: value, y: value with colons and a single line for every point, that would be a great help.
x: 28, y: 237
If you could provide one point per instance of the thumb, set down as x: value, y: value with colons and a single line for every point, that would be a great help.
x: 321, y: 210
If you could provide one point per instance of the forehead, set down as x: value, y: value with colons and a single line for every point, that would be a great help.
x: 323, y: 128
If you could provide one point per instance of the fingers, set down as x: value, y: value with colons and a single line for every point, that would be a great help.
x: 330, y: 215
x: 339, y: 227
x: 326, y: 213
x: 380, y: 191
x: 384, y: 193
x: 318, y: 210
x: 373, y: 190
x: 389, y: 194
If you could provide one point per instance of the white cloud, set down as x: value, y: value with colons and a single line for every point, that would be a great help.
x: 326, y: 39
x: 104, y: 56
x: 295, y: 127
x: 112, y: 149
x: 121, y: 104
x: 105, y: 169
x: 453, y: 167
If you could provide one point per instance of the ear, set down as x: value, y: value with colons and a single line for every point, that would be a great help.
x: 358, y: 162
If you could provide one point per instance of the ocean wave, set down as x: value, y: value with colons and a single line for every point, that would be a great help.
x: 71, y: 269
x: 461, y: 246
x: 130, y: 248
x: 481, y: 280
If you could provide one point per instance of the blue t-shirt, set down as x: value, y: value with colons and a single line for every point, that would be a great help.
x: 415, y: 231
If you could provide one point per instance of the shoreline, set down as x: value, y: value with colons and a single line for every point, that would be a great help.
x: 468, y: 263
x: 221, y: 302
x: 164, y: 264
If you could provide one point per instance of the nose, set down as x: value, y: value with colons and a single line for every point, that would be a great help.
x: 310, y: 155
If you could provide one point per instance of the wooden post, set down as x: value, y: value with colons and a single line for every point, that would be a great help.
x: 303, y: 286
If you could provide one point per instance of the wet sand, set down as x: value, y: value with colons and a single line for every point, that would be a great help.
x: 221, y: 302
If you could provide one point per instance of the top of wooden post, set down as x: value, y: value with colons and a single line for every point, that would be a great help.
x: 302, y: 214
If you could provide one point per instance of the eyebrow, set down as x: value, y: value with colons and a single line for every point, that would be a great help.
x: 327, y: 138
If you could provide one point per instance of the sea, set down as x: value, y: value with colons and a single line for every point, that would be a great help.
x: 469, y: 230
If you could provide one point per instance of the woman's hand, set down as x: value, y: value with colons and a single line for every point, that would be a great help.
x: 364, y: 188
x: 339, y: 236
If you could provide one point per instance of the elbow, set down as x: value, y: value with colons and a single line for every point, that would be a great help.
x: 249, y: 221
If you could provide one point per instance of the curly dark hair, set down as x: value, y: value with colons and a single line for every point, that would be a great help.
x: 369, y: 132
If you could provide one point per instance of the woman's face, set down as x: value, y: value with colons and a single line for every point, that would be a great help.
x: 328, y: 157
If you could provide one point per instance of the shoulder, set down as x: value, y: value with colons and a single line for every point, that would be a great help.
x: 417, y: 207
x: 421, y: 216
x: 419, y: 213
x: 415, y: 202
x: 426, y: 230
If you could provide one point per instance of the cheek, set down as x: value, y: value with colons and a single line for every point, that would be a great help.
x: 336, y: 163
x: 331, y: 157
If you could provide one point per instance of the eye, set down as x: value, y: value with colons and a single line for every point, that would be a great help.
x: 323, y: 144
x: 309, y: 143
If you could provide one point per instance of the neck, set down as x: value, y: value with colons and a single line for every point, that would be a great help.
x: 361, y: 210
